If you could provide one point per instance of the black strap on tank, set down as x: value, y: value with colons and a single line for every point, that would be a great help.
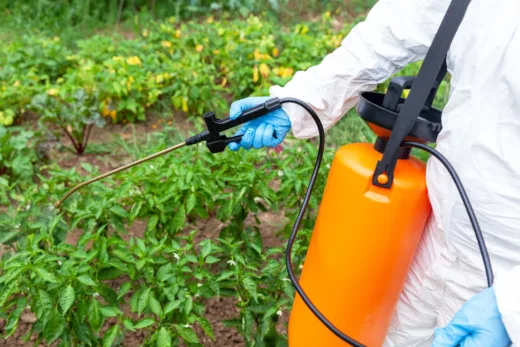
x: 432, y: 71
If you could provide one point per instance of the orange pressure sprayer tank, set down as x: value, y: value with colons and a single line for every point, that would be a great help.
x: 365, y: 236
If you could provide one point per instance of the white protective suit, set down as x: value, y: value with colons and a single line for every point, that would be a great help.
x: 480, y: 137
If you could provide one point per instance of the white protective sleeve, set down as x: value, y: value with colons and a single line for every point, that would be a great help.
x: 394, y: 34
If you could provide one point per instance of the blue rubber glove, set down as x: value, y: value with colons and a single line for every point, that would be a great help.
x: 260, y: 132
x: 477, y: 323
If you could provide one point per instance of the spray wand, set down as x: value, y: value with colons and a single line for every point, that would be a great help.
x: 217, y: 142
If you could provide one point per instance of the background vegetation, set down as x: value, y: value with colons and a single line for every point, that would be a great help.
x: 86, y: 86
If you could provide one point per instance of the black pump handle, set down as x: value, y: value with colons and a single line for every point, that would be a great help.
x: 215, y: 126
x: 398, y: 85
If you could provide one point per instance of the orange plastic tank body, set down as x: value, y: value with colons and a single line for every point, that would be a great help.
x: 361, y: 249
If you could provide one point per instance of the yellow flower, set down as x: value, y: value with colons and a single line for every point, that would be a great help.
x: 113, y: 115
x: 275, y: 52
x: 184, y: 105
x: 177, y: 33
x: 17, y: 83
x: 264, y: 70
x: 199, y: 48
x: 209, y: 20
x: 134, y: 61
x: 56, y: 39
x: 117, y: 58
x: 216, y: 52
x: 159, y: 78
x: 255, y: 74
x: 166, y: 44
x: 257, y: 54
x: 52, y: 92
x: 106, y: 112
x: 224, y: 81
x: 145, y: 32
x: 171, y: 20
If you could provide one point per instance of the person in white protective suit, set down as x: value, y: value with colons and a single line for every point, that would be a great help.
x: 445, y: 301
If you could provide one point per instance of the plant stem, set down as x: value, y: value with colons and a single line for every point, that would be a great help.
x: 71, y: 139
x: 87, y: 135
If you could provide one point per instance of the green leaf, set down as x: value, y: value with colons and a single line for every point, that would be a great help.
x: 225, y: 275
x: 54, y: 328
x: 82, y: 332
x: 124, y: 255
x: 43, y: 309
x: 206, y: 248
x: 128, y: 324
x: 14, y: 316
x: 164, y: 338
x: 87, y: 280
x: 172, y: 305
x: 152, y: 222
x: 179, y: 220
x: 250, y: 286
x: 164, y: 272
x: 143, y: 300
x: 110, y: 336
x: 110, y: 311
x: 109, y: 273
x: 191, y: 201
x: 125, y: 288
x: 211, y: 260
x: 187, y: 334
x: 247, y: 323
x: 46, y: 275
x: 155, y: 306
x: 206, y: 326
x: 188, y: 305
x: 67, y: 298
x: 94, y: 315
x: 144, y: 323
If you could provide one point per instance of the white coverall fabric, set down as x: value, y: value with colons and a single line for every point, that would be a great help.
x: 480, y: 137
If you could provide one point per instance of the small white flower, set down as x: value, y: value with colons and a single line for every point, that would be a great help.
x: 328, y: 166
x: 280, y: 173
x: 59, y: 263
x: 28, y: 207
x: 151, y: 167
x: 286, y: 279
x: 301, y: 266
x: 96, y: 294
x: 279, y: 313
x: 196, y: 295
x: 28, y: 307
x: 187, y: 325
x: 257, y: 199
x: 17, y: 226
x: 199, y: 285
x: 176, y: 256
x: 231, y: 262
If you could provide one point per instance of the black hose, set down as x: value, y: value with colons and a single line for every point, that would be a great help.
x: 296, y: 226
x: 467, y: 204
x: 294, y: 231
